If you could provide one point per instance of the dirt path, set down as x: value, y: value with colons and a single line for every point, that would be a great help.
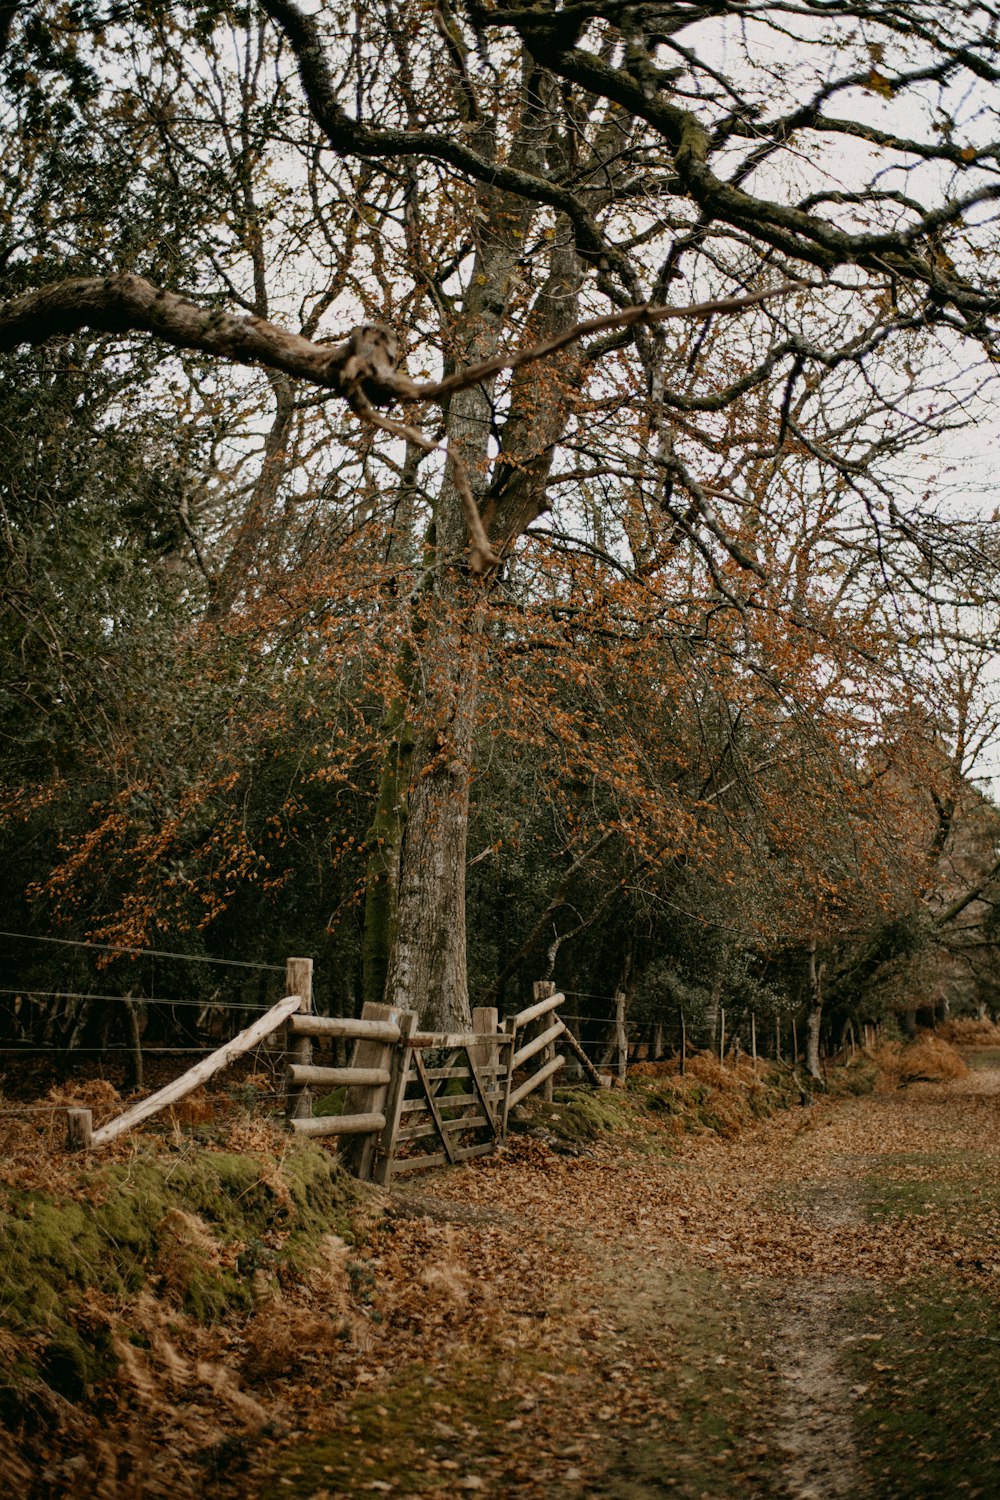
x: 805, y: 1311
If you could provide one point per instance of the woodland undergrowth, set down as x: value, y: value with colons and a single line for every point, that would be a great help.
x: 182, y: 1311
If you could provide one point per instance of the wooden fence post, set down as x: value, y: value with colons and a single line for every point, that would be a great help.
x: 298, y: 981
x: 368, y: 1099
x: 79, y: 1128
x: 795, y: 1044
x: 510, y: 1027
x: 722, y: 1036
x: 753, y: 1039
x: 684, y: 1039
x: 541, y: 990
x: 621, y: 1035
x: 134, y: 1057
x: 485, y: 1021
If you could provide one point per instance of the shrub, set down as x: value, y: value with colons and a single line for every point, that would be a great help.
x: 968, y: 1032
x: 929, y: 1059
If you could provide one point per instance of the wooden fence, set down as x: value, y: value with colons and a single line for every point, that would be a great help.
x: 418, y: 1099
x: 412, y: 1099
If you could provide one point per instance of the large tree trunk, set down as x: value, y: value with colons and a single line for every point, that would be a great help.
x: 384, y: 839
x: 427, y: 972
x: 384, y: 844
x: 814, y: 1015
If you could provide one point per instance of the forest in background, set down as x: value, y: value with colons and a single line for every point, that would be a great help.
x: 661, y: 662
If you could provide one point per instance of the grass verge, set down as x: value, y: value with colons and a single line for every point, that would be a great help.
x: 672, y: 1394
x: 660, y: 1104
x: 926, y: 1380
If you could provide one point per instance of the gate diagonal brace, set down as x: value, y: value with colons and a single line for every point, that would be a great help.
x: 432, y: 1105
x: 487, y: 1103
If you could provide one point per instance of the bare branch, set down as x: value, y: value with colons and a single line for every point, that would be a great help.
x: 482, y: 558
x: 127, y: 303
x: 643, y: 315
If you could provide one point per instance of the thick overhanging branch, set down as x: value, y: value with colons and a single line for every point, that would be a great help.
x: 362, y: 368
x: 130, y: 304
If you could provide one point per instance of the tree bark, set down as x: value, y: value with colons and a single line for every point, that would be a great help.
x: 427, y: 970
x: 814, y: 1015
x: 384, y: 844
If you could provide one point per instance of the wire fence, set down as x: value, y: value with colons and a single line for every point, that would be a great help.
x: 26, y: 992
x: 34, y: 1008
x: 41, y: 1017
x: 601, y: 1029
x: 193, y: 958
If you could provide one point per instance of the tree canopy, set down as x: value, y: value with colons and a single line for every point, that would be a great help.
x: 525, y: 424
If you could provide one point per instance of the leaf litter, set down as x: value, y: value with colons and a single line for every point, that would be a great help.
x: 617, y: 1322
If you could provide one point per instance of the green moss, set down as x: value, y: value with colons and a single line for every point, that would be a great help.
x: 928, y: 1421
x: 980, y: 1058
x: 179, y: 1225
x: 959, y: 1185
x: 579, y: 1115
x: 331, y: 1104
x: 395, y: 1437
x: 857, y: 1078
x: 67, y: 1366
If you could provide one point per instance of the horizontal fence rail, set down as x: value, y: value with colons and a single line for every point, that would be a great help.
x: 300, y: 1073
x: 343, y: 1027
x: 340, y: 1124
x: 537, y: 1044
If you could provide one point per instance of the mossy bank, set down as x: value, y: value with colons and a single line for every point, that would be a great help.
x: 203, y: 1231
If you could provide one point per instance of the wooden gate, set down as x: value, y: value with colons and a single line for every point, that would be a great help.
x: 451, y: 1100
x: 417, y: 1099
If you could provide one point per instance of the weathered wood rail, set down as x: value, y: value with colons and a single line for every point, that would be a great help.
x: 417, y: 1100
x: 412, y: 1100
